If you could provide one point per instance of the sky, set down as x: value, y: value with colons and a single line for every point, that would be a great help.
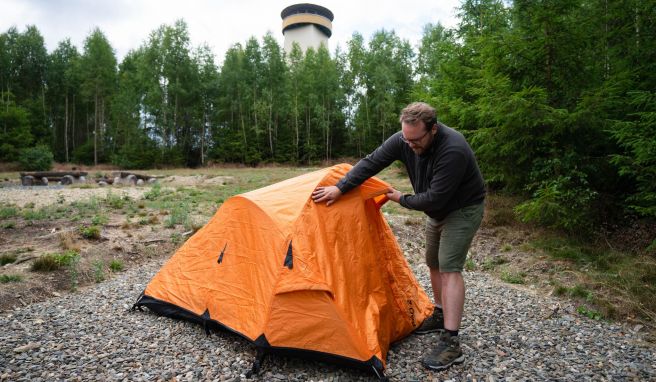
x: 216, y: 23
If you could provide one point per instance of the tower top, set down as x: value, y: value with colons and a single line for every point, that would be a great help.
x: 298, y: 15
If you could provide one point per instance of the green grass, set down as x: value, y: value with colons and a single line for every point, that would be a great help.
x: 470, y: 265
x: 617, y: 283
x: 116, y: 265
x: 589, y: 312
x: 8, y: 212
x: 4, y: 279
x: 491, y: 263
x: 98, y: 271
x: 8, y: 225
x: 512, y: 276
x: 53, y: 261
x: 7, y: 258
x: 90, y: 232
x: 100, y: 219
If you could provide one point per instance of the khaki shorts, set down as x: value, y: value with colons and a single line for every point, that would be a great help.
x: 448, y: 240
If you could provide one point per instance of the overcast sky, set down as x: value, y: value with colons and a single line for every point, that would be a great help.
x: 217, y: 23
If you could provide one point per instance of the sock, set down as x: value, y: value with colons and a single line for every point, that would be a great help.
x: 452, y: 333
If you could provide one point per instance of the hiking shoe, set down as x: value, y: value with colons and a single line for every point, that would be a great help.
x: 432, y: 323
x: 446, y: 353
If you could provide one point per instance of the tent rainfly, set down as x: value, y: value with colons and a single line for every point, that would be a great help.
x: 297, y: 277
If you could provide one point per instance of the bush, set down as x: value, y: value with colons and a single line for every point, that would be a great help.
x: 37, y: 158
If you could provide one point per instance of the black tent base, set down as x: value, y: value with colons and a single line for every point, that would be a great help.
x: 164, y: 308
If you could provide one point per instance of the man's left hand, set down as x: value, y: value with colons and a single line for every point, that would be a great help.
x: 393, y: 194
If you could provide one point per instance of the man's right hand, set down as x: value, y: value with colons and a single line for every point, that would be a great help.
x: 328, y: 194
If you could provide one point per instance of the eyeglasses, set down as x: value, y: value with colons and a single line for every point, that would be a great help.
x: 416, y: 141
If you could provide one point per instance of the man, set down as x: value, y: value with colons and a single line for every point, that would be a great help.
x: 449, y: 188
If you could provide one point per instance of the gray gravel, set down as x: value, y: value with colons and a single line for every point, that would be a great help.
x: 508, y: 334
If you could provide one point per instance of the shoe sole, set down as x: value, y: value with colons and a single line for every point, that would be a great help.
x: 456, y: 361
x: 427, y: 331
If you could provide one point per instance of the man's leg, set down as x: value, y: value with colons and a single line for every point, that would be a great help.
x: 434, y: 322
x: 453, y: 299
x: 456, y: 236
x: 436, y: 283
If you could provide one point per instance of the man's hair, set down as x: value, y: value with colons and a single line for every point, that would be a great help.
x: 419, y: 111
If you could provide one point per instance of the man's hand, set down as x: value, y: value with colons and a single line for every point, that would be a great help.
x: 393, y: 195
x: 328, y: 194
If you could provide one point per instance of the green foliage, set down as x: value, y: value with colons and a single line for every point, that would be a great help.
x: 8, y: 212
x: 564, y: 202
x: 154, y: 192
x: 179, y: 215
x: 90, y: 232
x: 638, y: 161
x: 116, y: 265
x: 37, y: 158
x: 589, y: 312
x: 84, y: 153
x: 4, y: 279
x: 512, y: 277
x: 53, y: 261
x: 98, y: 271
x: 7, y: 258
x: 16, y: 134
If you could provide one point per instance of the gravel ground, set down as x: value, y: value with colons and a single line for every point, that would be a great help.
x: 508, y: 334
x: 46, y: 195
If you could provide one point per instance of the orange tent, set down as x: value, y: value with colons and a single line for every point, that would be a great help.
x: 298, y: 277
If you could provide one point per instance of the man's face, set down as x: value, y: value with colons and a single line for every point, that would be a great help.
x: 417, y: 136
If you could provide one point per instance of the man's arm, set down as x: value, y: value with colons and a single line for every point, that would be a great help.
x: 372, y: 164
x: 447, y: 177
x: 369, y: 166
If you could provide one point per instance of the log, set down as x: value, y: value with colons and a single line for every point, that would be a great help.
x: 53, y: 174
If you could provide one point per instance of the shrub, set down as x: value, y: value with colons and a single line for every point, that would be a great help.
x: 37, y: 158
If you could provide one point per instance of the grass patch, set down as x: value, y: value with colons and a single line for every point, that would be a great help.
x: 9, y: 225
x: 98, y: 271
x: 99, y: 219
x: 490, y: 264
x: 53, y: 261
x: 90, y: 232
x: 588, y: 312
x: 616, y: 283
x: 178, y: 215
x: 470, y: 265
x: 513, y: 277
x: 116, y: 265
x: 4, y: 279
x: 116, y: 202
x: 8, y: 212
x: 7, y: 258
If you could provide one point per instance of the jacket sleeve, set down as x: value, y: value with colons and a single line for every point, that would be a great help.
x: 372, y: 164
x: 448, y: 173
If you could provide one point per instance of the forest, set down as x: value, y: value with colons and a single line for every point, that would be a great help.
x: 557, y: 98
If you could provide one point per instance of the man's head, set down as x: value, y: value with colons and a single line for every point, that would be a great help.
x: 418, y: 126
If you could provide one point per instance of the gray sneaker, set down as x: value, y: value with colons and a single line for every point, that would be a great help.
x: 432, y: 323
x: 446, y: 353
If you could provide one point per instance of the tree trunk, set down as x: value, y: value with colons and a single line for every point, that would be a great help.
x: 270, y: 121
x: 95, y: 130
x: 66, y: 129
